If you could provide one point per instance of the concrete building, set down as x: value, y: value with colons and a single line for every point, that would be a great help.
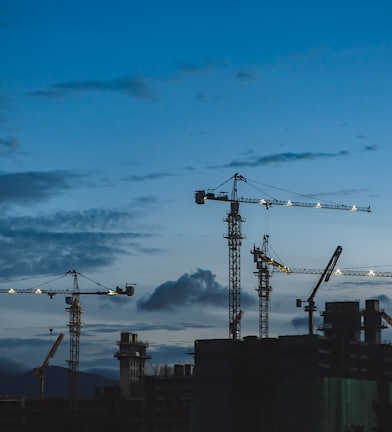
x: 168, y: 400
x: 132, y: 355
x: 301, y: 383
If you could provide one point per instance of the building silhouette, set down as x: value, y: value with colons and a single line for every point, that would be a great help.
x: 339, y: 381
x: 301, y: 383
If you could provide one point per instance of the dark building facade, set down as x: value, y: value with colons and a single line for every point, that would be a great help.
x: 301, y: 383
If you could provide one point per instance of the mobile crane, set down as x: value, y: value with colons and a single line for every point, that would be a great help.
x: 234, y: 236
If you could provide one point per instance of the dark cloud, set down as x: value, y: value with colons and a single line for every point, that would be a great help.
x: 53, y: 244
x: 136, y: 327
x: 283, y: 158
x: 130, y: 86
x: 27, y: 187
x: 361, y: 137
x: 200, y: 287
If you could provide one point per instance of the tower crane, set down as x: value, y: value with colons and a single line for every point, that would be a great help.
x: 260, y: 257
x: 40, y: 371
x: 75, y: 323
x: 263, y: 261
x: 234, y: 237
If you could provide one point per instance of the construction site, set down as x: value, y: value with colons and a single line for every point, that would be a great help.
x: 335, y: 377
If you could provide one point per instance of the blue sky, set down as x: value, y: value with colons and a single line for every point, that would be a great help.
x: 113, y: 113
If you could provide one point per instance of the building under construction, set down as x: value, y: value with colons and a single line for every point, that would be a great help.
x: 301, y: 383
x: 340, y: 381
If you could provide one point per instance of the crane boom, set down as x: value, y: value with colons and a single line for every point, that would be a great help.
x: 201, y: 196
x: 326, y: 274
x: 339, y: 272
x: 40, y: 372
x: 387, y: 318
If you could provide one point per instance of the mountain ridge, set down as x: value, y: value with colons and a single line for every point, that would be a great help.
x: 26, y: 384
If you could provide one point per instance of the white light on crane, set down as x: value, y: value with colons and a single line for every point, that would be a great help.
x: 338, y: 272
x: 289, y: 203
x: 371, y: 273
x: 354, y: 208
x: 11, y: 291
x: 318, y: 205
x: 38, y: 291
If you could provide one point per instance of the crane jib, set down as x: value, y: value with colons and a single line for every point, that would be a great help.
x: 201, y: 196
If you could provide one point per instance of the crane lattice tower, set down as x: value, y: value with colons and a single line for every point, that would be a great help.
x: 75, y: 325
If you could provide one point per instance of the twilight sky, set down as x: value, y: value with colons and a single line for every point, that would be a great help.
x: 113, y: 113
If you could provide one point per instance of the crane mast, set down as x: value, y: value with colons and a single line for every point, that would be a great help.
x: 74, y: 325
x: 234, y: 240
x: 234, y: 237
x: 260, y: 257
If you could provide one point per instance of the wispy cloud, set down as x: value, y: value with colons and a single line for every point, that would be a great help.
x: 283, y: 158
x: 243, y: 76
x: 86, y: 240
x: 135, y: 87
x: 303, y: 322
x: 141, y: 178
x: 199, y: 287
x: 8, y: 146
x: 370, y: 148
x: 384, y: 299
x: 27, y: 187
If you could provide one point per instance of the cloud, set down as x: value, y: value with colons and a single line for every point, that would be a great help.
x: 200, y: 97
x: 199, y: 287
x: 170, y: 354
x: 370, y: 148
x: 383, y: 299
x: 282, y: 158
x: 135, y: 87
x: 142, y: 326
x: 303, y: 322
x: 244, y: 76
x: 140, y: 178
x: 8, y: 145
x: 27, y: 187
x: 55, y: 243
